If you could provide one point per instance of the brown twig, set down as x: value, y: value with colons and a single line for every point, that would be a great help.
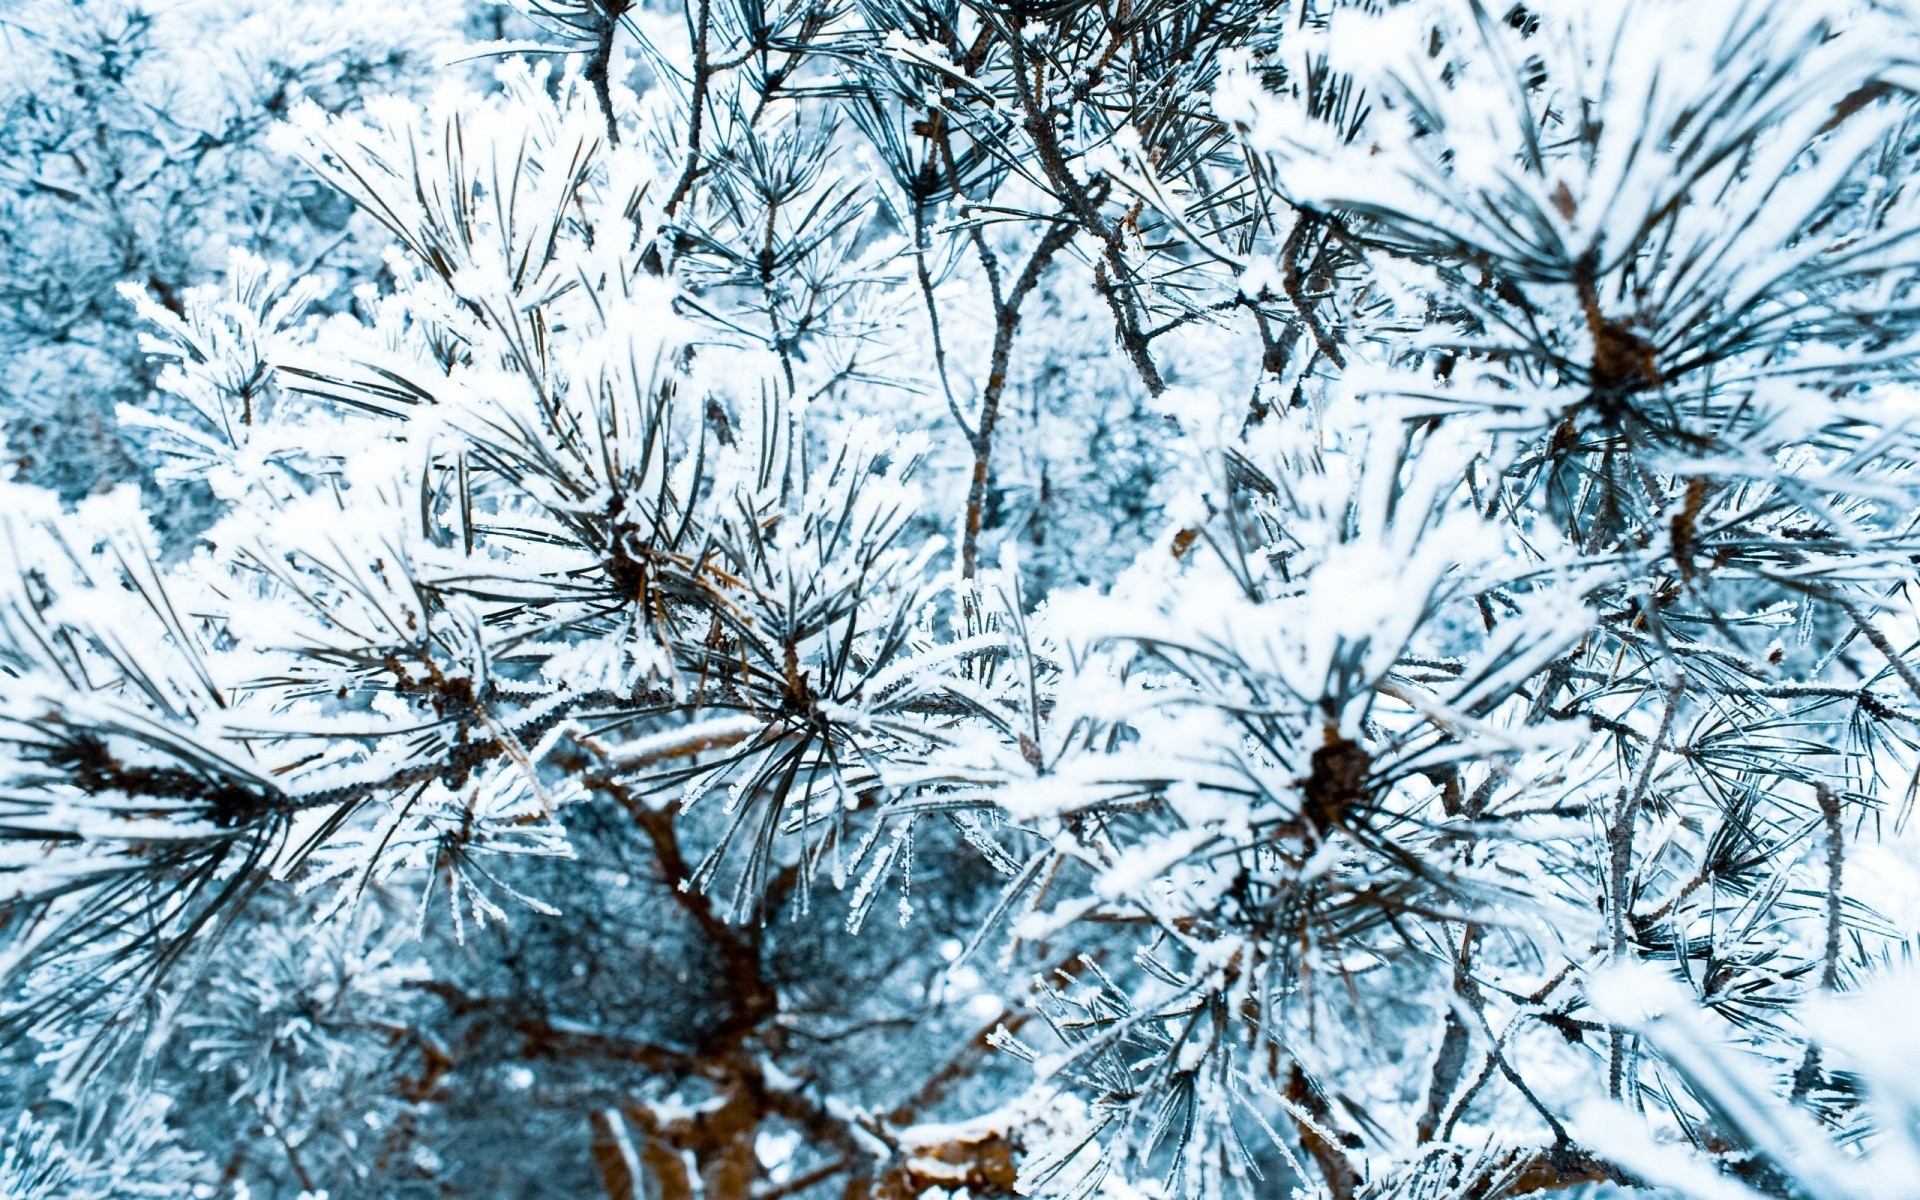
x: 1083, y: 203
x: 1006, y: 322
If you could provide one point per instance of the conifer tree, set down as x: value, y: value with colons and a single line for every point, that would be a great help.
x: 902, y: 597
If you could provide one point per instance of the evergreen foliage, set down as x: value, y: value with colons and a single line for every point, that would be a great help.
x: 770, y: 598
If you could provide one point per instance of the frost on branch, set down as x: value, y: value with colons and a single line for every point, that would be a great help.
x: 1077, y: 600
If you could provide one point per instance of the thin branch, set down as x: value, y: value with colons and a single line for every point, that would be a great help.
x: 1620, y: 865
x: 1005, y: 324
